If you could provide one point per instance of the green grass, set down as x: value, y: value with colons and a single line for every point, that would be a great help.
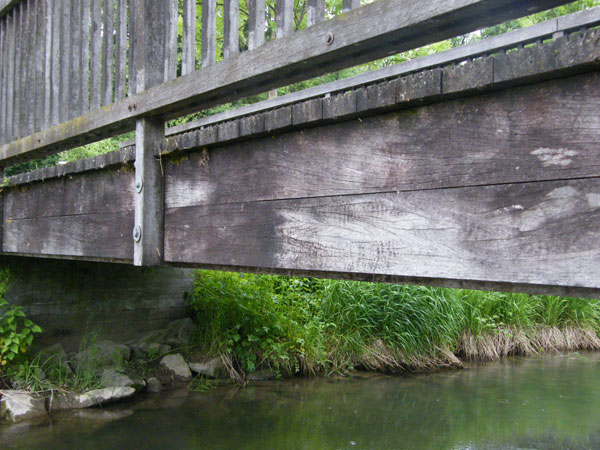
x: 313, y: 326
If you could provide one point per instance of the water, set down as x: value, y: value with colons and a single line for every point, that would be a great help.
x: 548, y: 402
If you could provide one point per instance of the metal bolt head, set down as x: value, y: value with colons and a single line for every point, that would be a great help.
x: 329, y: 38
x: 139, y: 185
x: 137, y: 234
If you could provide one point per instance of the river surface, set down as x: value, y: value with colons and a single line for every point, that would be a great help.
x: 545, y: 402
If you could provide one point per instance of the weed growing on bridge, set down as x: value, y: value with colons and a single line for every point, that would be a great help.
x: 309, y: 326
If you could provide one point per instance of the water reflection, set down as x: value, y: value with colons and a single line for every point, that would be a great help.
x: 548, y: 402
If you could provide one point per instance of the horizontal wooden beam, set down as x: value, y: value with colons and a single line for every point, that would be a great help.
x: 372, y: 31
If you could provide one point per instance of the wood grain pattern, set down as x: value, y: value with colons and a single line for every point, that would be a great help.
x: 231, y: 33
x: 209, y: 32
x: 188, y: 57
x: 530, y: 233
x: 546, y: 131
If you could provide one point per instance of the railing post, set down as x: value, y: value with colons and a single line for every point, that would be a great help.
x: 149, y: 47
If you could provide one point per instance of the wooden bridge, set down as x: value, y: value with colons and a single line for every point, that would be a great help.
x: 475, y: 167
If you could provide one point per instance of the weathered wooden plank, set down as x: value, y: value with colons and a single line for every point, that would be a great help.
x: 10, y: 53
x: 171, y: 19
x: 75, y: 93
x: 100, y: 191
x: 108, y: 48
x: 131, y: 74
x: 54, y: 11
x: 284, y: 18
x: 509, y: 233
x: 3, y: 78
x: 96, y: 55
x: 149, y: 199
x: 188, y: 58
x: 231, y: 34
x: 46, y: 114
x: 315, y: 12
x: 6, y: 6
x: 460, y: 77
x: 27, y: 33
x: 104, y: 235
x: 257, y: 71
x: 540, y: 132
x: 66, y: 84
x: 18, y: 79
x: 256, y: 23
x: 348, y: 5
x: 209, y: 32
x: 39, y: 64
x: 121, y: 50
x: 86, y: 31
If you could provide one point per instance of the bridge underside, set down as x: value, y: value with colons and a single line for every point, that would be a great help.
x: 481, y: 175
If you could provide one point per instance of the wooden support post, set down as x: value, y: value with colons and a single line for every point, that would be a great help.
x: 150, y: 45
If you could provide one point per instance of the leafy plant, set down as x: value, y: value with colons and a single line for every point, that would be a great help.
x: 16, y: 330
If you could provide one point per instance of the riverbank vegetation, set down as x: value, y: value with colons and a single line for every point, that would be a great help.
x: 310, y: 326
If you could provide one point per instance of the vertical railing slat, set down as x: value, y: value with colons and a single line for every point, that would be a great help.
x: 10, y: 85
x: 108, y: 17
x: 209, y: 32
x: 40, y: 46
x: 47, y: 63
x: 2, y: 79
x: 348, y: 5
x: 284, y: 17
x: 231, y: 37
x: 86, y: 17
x: 172, y: 15
x: 315, y: 12
x: 188, y: 60
x: 131, y: 74
x: 256, y: 23
x: 96, y: 55
x: 56, y: 32
x: 18, y: 67
x: 75, y: 64
x: 28, y: 70
x: 121, y: 50
x: 65, y: 64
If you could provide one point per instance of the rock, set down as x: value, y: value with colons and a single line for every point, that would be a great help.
x: 153, y: 336
x: 262, y: 375
x: 153, y: 385
x: 56, y: 355
x: 21, y: 405
x: 213, y: 368
x: 179, y: 332
x: 103, y: 354
x: 112, y: 378
x: 97, y: 397
x: 177, y: 366
x: 143, y: 349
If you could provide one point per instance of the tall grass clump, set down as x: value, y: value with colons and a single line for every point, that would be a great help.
x: 303, y: 325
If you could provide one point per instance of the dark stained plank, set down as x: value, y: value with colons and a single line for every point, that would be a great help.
x: 100, y: 191
x: 256, y: 71
x: 545, y: 131
x: 530, y: 233
x: 188, y: 50
x: 103, y: 235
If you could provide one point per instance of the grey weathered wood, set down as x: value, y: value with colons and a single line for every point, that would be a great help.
x: 188, y: 57
x: 3, y: 78
x: 348, y: 5
x: 209, y: 32
x: 131, y: 73
x: 28, y: 101
x: 460, y: 78
x: 228, y: 130
x: 55, y: 58
x: 279, y: 118
x: 75, y: 63
x: 253, y: 72
x: 108, y: 47
x: 307, y: 112
x: 96, y: 55
x: 284, y: 18
x: 171, y: 19
x: 121, y: 50
x: 10, y: 52
x: 86, y: 18
x: 149, y: 203
x: 18, y: 62
x: 6, y: 6
x: 151, y: 42
x: 64, y: 110
x: 540, y: 132
x: 40, y: 61
x: 256, y: 23
x: 231, y: 34
x: 508, y: 233
x: 315, y: 12
x: 24, y: 92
